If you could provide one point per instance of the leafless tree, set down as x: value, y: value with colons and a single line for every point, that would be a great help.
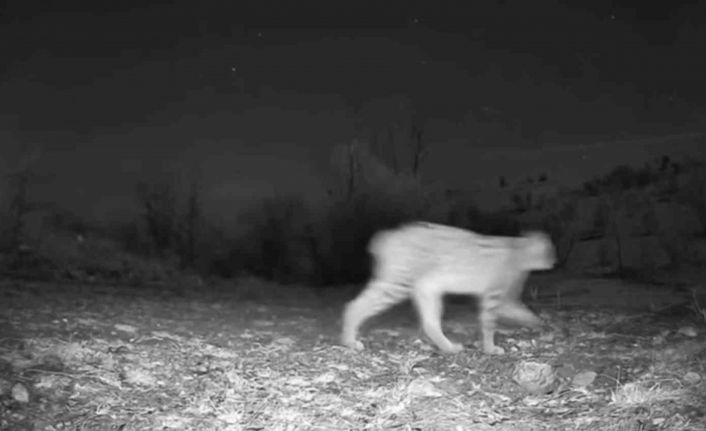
x: 190, y: 226
x: 158, y: 201
x: 20, y: 180
x: 419, y: 148
x: 396, y: 134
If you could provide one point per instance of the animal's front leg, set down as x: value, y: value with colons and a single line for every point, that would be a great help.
x: 429, y: 302
x: 488, y: 323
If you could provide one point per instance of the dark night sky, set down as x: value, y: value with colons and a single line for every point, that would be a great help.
x: 253, y: 95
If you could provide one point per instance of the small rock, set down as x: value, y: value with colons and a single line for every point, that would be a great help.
x: 688, y: 331
x: 583, y: 379
x: 125, y: 328
x: 20, y: 393
x: 692, y: 377
x: 537, y: 378
x: 422, y: 388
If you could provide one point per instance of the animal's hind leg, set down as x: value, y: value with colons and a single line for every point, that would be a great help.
x: 377, y: 297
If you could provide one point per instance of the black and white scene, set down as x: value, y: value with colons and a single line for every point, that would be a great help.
x: 422, y: 215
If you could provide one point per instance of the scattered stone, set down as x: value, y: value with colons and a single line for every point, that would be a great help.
x: 422, y: 387
x: 688, y: 331
x: 20, y: 393
x: 125, y: 328
x: 692, y: 377
x: 583, y: 379
x: 535, y: 377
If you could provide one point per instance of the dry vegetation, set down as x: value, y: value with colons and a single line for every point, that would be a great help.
x: 100, y: 357
x: 157, y: 324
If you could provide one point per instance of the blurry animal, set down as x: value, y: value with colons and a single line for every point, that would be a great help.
x: 423, y: 261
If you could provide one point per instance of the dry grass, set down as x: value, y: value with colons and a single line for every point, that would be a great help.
x: 264, y: 357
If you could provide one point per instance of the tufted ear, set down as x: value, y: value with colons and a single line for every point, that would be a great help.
x: 527, y: 238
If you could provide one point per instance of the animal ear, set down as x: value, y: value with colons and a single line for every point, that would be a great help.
x: 527, y: 236
x: 532, y: 238
x: 522, y: 241
x: 534, y: 235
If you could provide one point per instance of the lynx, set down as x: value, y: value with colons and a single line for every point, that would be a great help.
x: 423, y: 261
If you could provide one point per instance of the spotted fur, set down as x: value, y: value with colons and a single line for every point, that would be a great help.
x: 423, y: 261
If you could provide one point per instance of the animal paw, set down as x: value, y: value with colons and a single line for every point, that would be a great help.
x: 452, y: 348
x: 354, y: 344
x: 494, y: 350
